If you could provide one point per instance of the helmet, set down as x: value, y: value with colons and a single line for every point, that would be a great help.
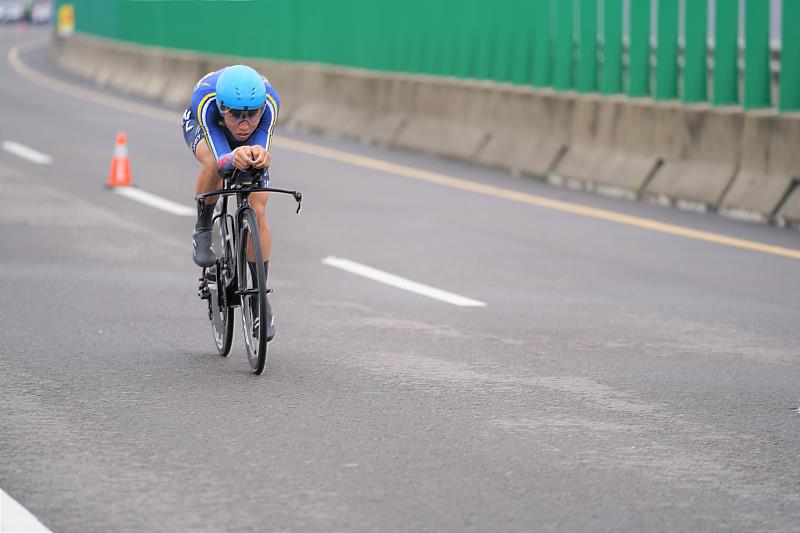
x: 240, y: 87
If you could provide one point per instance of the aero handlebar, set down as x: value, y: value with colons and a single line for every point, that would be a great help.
x: 241, y: 188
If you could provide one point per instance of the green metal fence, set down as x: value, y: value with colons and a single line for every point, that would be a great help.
x: 580, y: 45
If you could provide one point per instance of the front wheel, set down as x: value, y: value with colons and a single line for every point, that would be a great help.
x: 253, y: 291
x: 218, y: 279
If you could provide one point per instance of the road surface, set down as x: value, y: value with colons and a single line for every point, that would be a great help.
x: 619, y: 376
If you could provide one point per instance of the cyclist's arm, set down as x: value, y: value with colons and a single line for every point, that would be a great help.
x: 209, y: 116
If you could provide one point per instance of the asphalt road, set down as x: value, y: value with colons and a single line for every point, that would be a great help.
x: 618, y: 378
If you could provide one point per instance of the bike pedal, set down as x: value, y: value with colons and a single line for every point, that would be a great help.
x: 203, y: 292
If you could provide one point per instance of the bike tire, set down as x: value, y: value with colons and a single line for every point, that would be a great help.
x: 219, y: 278
x: 256, y: 345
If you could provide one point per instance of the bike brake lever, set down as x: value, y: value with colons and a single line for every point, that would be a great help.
x: 298, y: 197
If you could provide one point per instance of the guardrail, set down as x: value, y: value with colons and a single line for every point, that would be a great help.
x: 727, y: 159
x: 581, y: 45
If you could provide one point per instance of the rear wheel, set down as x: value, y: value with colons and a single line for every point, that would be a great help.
x: 218, y: 278
x: 253, y: 291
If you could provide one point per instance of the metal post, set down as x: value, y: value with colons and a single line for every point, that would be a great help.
x: 563, y: 78
x: 523, y: 23
x: 465, y: 51
x: 481, y: 46
x: 639, y: 52
x: 726, y: 85
x: 587, y: 49
x: 790, y: 57
x: 694, y: 70
x: 756, y: 57
x: 667, y: 51
x: 542, y: 64
x: 612, y: 47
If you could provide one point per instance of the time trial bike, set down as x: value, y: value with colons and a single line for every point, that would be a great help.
x: 230, y: 282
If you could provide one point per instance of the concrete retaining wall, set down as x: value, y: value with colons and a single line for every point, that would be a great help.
x: 770, y: 160
x: 528, y: 130
x: 713, y: 158
x: 791, y: 212
x: 698, y: 147
x: 610, y: 145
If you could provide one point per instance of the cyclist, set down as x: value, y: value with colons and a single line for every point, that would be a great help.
x: 229, y: 126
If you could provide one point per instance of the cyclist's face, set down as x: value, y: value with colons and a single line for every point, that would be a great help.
x: 242, y: 123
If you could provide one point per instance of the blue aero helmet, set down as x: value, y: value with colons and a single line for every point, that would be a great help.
x: 240, y: 87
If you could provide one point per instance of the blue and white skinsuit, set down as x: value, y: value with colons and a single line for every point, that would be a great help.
x: 203, y: 120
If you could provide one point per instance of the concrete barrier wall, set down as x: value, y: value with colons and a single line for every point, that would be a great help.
x: 714, y: 158
x: 610, y: 146
x: 698, y: 148
x: 770, y: 161
x: 528, y: 130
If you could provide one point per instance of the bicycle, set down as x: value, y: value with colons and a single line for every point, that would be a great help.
x: 229, y: 282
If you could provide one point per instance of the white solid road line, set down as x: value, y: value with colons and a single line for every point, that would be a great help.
x: 27, y: 153
x: 400, y: 283
x: 15, y: 518
x: 156, y: 201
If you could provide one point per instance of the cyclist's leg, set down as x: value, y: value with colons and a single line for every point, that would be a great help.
x: 258, y: 201
x: 208, y: 179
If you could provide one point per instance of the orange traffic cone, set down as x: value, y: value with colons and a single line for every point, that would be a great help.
x: 120, y: 174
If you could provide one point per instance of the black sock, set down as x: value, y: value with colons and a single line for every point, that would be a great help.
x: 205, y: 216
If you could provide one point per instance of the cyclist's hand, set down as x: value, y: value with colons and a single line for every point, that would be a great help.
x: 261, y: 156
x: 243, y: 158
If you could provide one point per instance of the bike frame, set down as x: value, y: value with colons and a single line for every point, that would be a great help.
x: 242, y: 192
x: 235, y: 284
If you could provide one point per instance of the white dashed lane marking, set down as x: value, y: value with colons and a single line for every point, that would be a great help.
x: 25, y: 152
x: 401, y: 283
x: 158, y: 202
x: 15, y: 518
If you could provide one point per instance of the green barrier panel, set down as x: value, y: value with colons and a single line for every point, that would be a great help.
x: 790, y: 57
x: 395, y: 54
x: 445, y: 43
x: 464, y: 53
x: 667, y: 51
x: 424, y: 63
x: 517, y: 41
x: 518, y: 19
x: 726, y: 85
x: 694, y: 55
x: 99, y: 18
x: 437, y: 60
x: 562, y: 77
x: 501, y: 44
x: 756, y: 55
x: 358, y: 48
x: 639, y: 51
x: 587, y: 49
x: 381, y: 53
x: 612, y: 47
x: 522, y: 22
x: 542, y: 63
x: 481, y: 45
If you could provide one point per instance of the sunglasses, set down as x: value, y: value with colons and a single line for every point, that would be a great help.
x: 241, y: 115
